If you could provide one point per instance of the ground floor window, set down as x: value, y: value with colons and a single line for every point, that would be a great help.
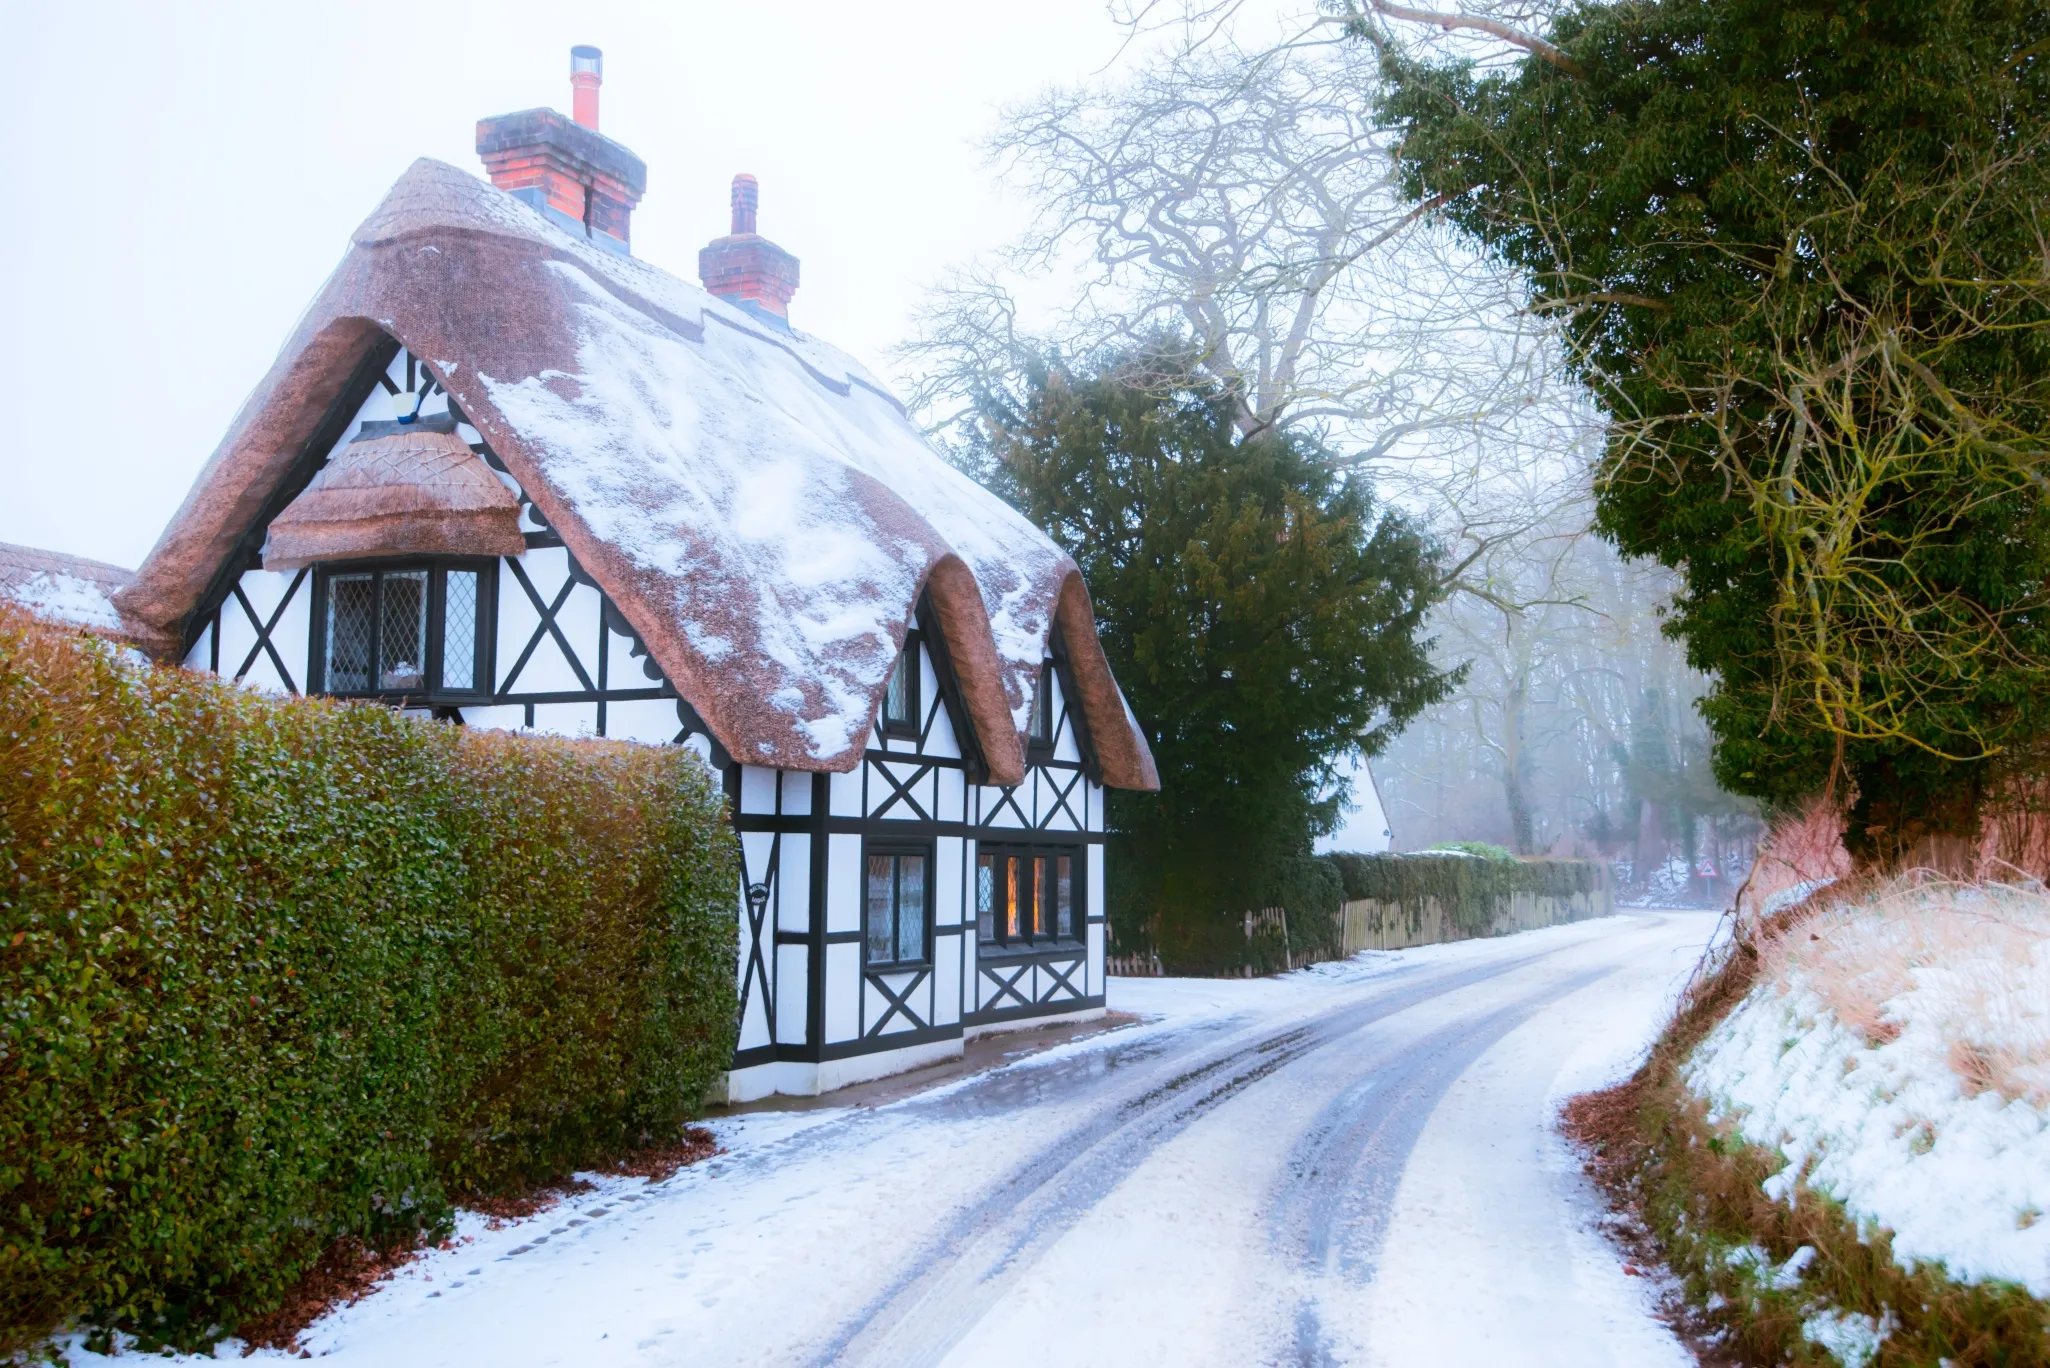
x: 1028, y: 895
x: 411, y: 630
x: 897, y: 903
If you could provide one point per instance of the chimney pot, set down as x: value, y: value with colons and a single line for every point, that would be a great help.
x: 747, y: 203
x: 586, y: 74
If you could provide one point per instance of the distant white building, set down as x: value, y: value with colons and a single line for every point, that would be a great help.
x: 1366, y: 828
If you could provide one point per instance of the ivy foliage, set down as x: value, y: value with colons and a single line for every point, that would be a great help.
x: 1263, y: 616
x: 1796, y: 247
x: 277, y: 972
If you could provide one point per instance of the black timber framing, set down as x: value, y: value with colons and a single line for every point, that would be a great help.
x: 264, y: 627
x: 901, y: 826
x: 820, y: 825
x: 371, y: 373
x: 815, y: 976
x: 1060, y: 1007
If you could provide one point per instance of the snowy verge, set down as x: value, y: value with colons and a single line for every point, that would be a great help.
x: 468, y: 1277
x: 1895, y: 1052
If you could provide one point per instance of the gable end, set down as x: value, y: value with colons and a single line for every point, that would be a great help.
x: 247, y: 552
x: 965, y: 734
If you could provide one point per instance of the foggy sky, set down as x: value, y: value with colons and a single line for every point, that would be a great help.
x: 184, y: 176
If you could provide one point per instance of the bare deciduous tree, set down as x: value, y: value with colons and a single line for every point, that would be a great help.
x: 1239, y: 200
x: 1243, y: 204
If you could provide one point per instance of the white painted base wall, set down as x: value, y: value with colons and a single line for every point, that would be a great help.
x: 1034, y: 1023
x: 795, y: 1078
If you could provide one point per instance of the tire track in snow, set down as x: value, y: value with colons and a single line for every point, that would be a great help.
x: 950, y: 1283
x: 1331, y: 1209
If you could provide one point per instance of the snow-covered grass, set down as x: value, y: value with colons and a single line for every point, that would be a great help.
x: 1842, y: 1141
x: 1896, y: 1052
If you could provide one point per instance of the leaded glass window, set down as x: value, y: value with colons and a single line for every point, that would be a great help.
x: 403, y: 631
x: 351, y: 611
x: 1041, y: 733
x: 910, y: 907
x: 1064, y: 899
x: 882, y: 907
x: 986, y: 897
x: 895, y: 896
x: 1012, y: 921
x: 459, y: 631
x: 1042, y: 901
x: 900, y: 697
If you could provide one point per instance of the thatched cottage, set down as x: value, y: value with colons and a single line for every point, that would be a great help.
x: 506, y: 474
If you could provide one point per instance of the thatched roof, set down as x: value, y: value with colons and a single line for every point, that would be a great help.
x: 69, y: 589
x: 761, y: 510
x: 397, y: 490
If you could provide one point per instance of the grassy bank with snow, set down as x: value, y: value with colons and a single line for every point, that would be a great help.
x: 1842, y: 1143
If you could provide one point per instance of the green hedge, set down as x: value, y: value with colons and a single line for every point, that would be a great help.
x: 276, y: 972
x: 1312, y: 892
x: 1472, y: 888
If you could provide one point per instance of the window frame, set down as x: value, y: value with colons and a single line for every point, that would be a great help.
x: 896, y: 847
x: 1040, y: 729
x: 433, y: 691
x: 1043, y: 902
x: 909, y: 660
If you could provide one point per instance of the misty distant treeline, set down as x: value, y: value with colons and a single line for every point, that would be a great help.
x: 1574, y: 731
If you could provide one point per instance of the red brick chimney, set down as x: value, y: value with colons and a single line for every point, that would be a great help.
x: 583, y: 181
x: 746, y: 267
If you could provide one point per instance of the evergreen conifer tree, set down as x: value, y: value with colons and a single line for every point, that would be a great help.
x: 1262, y: 615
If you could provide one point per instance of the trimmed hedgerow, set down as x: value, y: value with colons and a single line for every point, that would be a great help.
x: 1472, y: 889
x: 273, y: 973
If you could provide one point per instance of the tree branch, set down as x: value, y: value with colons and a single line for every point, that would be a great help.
x: 1602, y: 297
x: 1529, y: 42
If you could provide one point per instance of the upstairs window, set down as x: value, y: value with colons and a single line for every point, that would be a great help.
x: 413, y: 631
x: 1026, y: 896
x: 900, y: 698
x: 896, y: 902
x: 1040, y: 733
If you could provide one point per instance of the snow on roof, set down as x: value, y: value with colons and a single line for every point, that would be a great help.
x: 761, y: 509
x: 69, y: 589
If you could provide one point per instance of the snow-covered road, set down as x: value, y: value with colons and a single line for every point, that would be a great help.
x: 1351, y: 1164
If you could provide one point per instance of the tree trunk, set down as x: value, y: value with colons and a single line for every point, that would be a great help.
x: 1642, y: 857
x: 1515, y: 766
x: 1886, y: 837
